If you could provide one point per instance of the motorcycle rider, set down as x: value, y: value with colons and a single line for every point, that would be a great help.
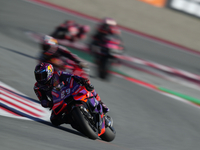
x: 47, y: 79
x: 107, y: 27
x: 105, y: 43
x: 53, y: 53
x: 79, y: 31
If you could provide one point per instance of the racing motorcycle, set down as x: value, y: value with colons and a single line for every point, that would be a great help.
x: 85, y: 112
x: 66, y: 33
x: 65, y: 64
x: 105, y: 54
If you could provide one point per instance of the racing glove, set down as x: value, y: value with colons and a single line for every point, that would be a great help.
x: 87, y: 84
x: 46, y: 103
x: 84, y: 82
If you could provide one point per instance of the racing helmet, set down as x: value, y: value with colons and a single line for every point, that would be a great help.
x: 85, y: 28
x: 49, y: 42
x: 43, y: 73
x: 107, y: 25
x: 109, y: 21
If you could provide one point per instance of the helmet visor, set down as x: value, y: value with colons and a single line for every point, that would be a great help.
x: 41, y: 76
x: 45, y: 47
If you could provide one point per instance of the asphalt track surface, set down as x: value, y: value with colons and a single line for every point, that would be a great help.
x: 143, y: 119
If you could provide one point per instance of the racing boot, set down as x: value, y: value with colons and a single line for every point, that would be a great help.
x: 87, y: 84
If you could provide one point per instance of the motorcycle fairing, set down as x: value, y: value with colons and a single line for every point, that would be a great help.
x: 79, y: 93
x: 58, y: 107
x: 101, y: 124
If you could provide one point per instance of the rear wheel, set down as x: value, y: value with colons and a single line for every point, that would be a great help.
x: 84, y: 124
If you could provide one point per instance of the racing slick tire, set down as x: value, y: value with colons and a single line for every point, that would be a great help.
x: 85, y: 128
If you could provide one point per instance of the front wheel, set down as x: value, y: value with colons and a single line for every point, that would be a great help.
x: 109, y: 134
x: 84, y: 124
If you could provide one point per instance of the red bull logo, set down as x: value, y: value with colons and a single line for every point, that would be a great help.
x: 50, y: 68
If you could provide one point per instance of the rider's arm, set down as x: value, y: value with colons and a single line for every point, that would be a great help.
x: 66, y: 53
x: 85, y: 82
x: 42, y: 97
x: 65, y: 76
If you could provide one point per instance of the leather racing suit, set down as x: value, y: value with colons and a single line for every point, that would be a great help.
x: 44, y: 95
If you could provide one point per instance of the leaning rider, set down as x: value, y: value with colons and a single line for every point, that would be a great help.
x: 54, y: 53
x: 47, y: 78
x: 107, y: 27
x: 79, y: 31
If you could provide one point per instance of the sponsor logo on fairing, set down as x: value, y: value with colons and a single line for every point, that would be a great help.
x: 71, y: 83
x: 56, y: 100
x: 57, y: 104
x: 55, y: 94
x: 65, y: 93
x: 74, y: 88
x: 78, y: 90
